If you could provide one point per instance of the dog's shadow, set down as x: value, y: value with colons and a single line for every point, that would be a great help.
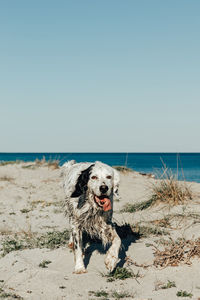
x: 127, y: 236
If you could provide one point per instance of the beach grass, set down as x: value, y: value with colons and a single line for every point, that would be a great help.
x: 183, y: 294
x: 51, y: 240
x: 44, y: 263
x: 120, y: 273
x: 52, y: 163
x: 148, y: 230
x: 170, y: 191
x: 6, y: 178
x: 166, y: 191
x: 131, y: 208
x: 8, y: 295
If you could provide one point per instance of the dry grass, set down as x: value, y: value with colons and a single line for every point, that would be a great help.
x: 130, y: 262
x: 131, y: 208
x: 28, y: 240
x: 146, y: 230
x: 170, y: 191
x: 9, y: 295
x: 177, y: 252
x: 178, y: 220
x: 165, y: 222
x: 6, y: 178
x: 51, y: 163
x: 167, y: 191
x: 44, y: 203
x: 12, y: 162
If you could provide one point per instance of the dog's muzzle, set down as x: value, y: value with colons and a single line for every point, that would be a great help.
x: 103, y: 202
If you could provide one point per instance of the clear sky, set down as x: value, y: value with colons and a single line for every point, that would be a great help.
x: 99, y: 75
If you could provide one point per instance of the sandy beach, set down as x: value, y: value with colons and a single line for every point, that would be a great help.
x: 36, y: 263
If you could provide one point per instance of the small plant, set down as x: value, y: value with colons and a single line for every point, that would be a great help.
x: 165, y: 222
x: 169, y: 285
x: 145, y: 231
x: 116, y: 295
x: 98, y: 293
x: 120, y: 273
x: 25, y: 210
x: 122, y: 169
x: 6, y: 295
x: 131, y: 208
x: 51, y: 240
x: 44, y: 263
x: 6, y: 178
x: 11, y: 162
x: 31, y: 166
x: 121, y: 295
x: 183, y: 294
x: 10, y: 245
x: 162, y: 286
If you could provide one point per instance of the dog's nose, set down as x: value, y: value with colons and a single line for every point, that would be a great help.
x: 103, y: 189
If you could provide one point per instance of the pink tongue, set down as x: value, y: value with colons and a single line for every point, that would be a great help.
x: 105, y: 203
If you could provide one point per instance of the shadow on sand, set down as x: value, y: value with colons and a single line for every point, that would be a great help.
x: 127, y: 236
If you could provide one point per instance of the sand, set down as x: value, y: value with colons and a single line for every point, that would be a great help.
x: 30, y: 206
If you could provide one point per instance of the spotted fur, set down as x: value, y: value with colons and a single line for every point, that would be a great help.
x: 82, y: 182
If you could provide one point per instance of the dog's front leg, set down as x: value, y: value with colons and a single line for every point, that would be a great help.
x: 112, y: 258
x: 78, y: 254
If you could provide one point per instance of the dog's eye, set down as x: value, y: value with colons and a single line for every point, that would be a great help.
x: 94, y: 177
x: 108, y: 177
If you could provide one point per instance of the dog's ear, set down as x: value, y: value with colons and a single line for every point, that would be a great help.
x: 81, y: 185
x: 116, y: 184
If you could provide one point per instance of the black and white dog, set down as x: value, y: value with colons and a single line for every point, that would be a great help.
x: 89, y: 189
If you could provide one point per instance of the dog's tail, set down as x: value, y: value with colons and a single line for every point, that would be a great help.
x: 69, y: 163
x: 116, y: 184
x: 66, y: 167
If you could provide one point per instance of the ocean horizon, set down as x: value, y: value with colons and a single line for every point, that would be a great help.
x: 185, y: 166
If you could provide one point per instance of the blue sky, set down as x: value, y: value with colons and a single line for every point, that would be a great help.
x: 109, y: 75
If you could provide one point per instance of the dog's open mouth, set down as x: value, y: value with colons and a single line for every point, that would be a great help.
x: 104, y: 202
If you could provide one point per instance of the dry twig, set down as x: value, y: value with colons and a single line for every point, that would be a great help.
x: 177, y: 252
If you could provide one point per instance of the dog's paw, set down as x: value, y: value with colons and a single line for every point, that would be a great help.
x: 80, y: 271
x: 111, y: 261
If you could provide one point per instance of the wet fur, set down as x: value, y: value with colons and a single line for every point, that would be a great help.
x: 84, y: 213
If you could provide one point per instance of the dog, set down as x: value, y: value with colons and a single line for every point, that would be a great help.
x: 89, y: 189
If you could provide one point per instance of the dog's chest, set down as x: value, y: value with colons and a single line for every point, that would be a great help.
x: 93, y: 219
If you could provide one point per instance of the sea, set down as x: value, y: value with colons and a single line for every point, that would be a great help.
x: 184, y: 166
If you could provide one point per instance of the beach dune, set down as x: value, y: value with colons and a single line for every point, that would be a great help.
x: 36, y: 263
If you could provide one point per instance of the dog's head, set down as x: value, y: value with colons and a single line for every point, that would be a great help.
x: 100, y: 180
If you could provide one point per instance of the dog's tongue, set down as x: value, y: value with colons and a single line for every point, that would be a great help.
x: 105, y: 203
